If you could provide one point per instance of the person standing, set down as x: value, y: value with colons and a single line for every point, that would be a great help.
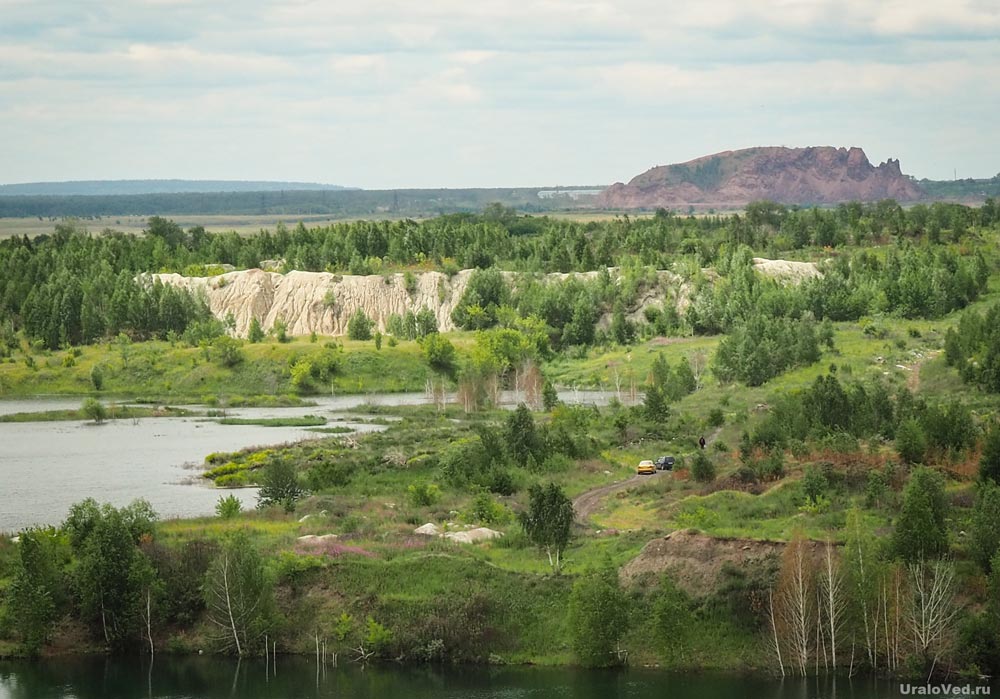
x: 701, y: 442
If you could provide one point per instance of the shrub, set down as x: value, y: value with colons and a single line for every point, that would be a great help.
x: 279, y: 486
x: 255, y: 333
x: 228, y: 507
x: 984, y: 535
x: 280, y: 330
x: 814, y: 484
x: 921, y: 528
x: 702, y: 468
x: 716, y: 418
x: 911, y: 443
x: 989, y: 462
x: 97, y: 377
x: 227, y: 350
x: 94, y: 409
x: 423, y: 494
x: 485, y: 510
x: 598, y: 616
x: 359, y: 326
x: 377, y: 637
x: 439, y: 352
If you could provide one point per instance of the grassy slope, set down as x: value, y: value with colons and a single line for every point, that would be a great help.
x: 406, y: 581
x: 162, y: 370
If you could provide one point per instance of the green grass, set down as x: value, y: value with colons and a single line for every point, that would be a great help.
x: 303, y: 421
x: 338, y: 429
x: 161, y: 370
x: 115, y: 412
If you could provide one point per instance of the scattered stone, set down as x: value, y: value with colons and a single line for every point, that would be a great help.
x: 473, y: 535
x: 429, y: 529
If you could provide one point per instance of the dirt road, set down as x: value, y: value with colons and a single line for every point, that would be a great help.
x: 586, y: 504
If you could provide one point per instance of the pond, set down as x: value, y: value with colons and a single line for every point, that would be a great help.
x: 45, y: 467
x: 172, y: 677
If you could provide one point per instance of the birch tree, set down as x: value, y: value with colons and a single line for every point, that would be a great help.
x: 932, y: 609
x: 861, y: 566
x: 238, y: 595
x: 795, y: 603
x: 548, y: 521
x: 832, y: 600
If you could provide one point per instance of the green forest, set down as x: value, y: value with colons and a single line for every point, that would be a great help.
x: 851, y: 423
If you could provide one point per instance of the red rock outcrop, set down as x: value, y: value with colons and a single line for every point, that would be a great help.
x: 816, y: 175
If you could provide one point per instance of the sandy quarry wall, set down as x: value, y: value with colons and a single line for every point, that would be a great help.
x: 323, y: 303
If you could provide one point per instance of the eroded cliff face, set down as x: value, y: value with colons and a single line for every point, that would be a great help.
x: 817, y: 175
x: 323, y: 303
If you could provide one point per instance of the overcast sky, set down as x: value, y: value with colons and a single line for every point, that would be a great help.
x: 471, y: 93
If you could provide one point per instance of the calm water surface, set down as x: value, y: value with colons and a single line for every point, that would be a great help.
x: 45, y: 467
x: 298, y: 678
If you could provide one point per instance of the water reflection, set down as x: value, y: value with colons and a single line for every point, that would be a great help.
x: 171, y: 677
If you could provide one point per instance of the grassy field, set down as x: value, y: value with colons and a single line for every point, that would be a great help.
x: 163, y: 370
x: 500, y: 601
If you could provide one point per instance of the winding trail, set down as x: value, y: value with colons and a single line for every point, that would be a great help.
x: 586, y: 504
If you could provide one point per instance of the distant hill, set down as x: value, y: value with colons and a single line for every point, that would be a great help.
x: 805, y: 176
x: 339, y: 203
x: 117, y: 187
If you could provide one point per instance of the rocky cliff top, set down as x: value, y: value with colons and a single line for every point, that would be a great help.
x: 815, y: 175
x: 324, y: 303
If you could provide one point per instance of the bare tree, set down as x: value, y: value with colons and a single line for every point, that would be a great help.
x: 862, y: 575
x: 532, y: 381
x: 796, y: 602
x: 699, y: 360
x: 932, y: 607
x: 831, y: 586
x: 238, y: 595
x: 774, y: 631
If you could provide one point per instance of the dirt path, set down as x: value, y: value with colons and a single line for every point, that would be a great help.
x: 913, y: 380
x: 586, y: 504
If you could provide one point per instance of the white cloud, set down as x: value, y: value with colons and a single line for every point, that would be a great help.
x: 402, y: 93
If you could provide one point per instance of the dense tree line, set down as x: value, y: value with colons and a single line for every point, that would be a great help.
x: 71, y: 287
x: 973, y: 347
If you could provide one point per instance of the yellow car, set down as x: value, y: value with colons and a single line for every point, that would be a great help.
x: 646, y: 468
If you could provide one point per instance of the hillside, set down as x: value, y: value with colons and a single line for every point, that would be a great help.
x: 820, y: 175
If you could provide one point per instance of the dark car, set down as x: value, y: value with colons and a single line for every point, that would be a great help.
x: 664, y: 463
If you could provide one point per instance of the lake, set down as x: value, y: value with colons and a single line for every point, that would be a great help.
x: 45, y: 467
x: 172, y: 677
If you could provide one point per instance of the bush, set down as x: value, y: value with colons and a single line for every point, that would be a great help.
x: 598, y: 615
x: 255, y: 333
x: 279, y: 486
x: 702, y: 468
x: 989, y: 462
x: 921, y: 531
x: 439, y: 352
x: 423, y: 494
x: 814, y: 484
x: 911, y: 443
x: 485, y: 510
x: 227, y: 350
x: 716, y: 418
x: 97, y: 377
x: 94, y: 409
x: 228, y: 507
x: 280, y: 330
x: 359, y: 326
x: 984, y: 535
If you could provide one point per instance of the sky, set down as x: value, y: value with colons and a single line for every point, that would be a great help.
x: 460, y: 93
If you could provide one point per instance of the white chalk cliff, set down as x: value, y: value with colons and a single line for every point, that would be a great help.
x: 323, y: 303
